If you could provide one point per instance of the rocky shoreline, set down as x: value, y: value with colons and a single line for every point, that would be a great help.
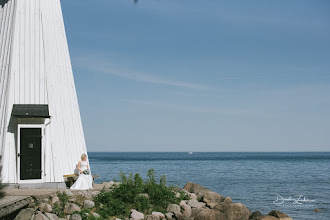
x: 203, y: 204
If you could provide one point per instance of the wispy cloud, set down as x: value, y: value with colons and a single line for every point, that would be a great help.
x: 105, y: 67
x: 189, y: 108
x: 148, y: 78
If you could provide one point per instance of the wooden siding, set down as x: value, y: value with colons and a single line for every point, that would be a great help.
x: 36, y: 69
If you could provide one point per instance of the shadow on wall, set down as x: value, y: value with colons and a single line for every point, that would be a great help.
x: 2, y: 194
x: 3, y: 2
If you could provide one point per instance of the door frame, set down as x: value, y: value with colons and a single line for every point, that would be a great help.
x: 42, y: 127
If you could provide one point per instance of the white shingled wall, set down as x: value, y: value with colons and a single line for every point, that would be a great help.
x: 36, y: 69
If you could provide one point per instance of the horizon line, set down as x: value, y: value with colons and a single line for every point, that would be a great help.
x: 208, y: 151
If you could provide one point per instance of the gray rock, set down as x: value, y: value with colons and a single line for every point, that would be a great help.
x: 88, y: 204
x: 95, y: 193
x: 68, y: 193
x: 45, y: 200
x: 135, y: 215
x: 55, y: 199
x: 236, y: 211
x: 86, y: 194
x: 221, y: 206
x: 75, y: 217
x: 96, y: 215
x: 32, y: 205
x: 212, y: 198
x: 169, y: 215
x: 279, y: 215
x: 44, y: 207
x: 255, y: 214
x: 267, y: 217
x: 179, y: 216
x: 196, y: 189
x: 151, y: 217
x: 208, y: 214
x: 228, y: 200
x: 71, y: 208
x: 40, y: 216
x: 72, y: 200
x: 51, y: 216
x: 186, y: 210
x: 194, y: 203
x: 25, y: 214
x: 106, y: 185
x: 116, y: 183
x: 183, y: 202
x: 158, y: 214
x: 192, y: 196
x: 174, y: 208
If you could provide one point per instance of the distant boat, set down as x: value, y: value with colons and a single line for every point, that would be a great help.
x: 190, y: 153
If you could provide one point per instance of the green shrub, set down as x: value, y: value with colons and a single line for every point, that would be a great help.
x: 130, y: 194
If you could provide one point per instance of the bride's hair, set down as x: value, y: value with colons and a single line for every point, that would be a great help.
x: 83, y: 156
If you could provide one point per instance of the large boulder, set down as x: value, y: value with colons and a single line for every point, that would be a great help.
x: 255, y: 214
x: 236, y: 211
x: 212, y: 198
x: 25, y: 214
x: 193, y: 203
x: 44, y: 207
x: 208, y: 214
x: 169, y: 215
x: 135, y: 215
x: 192, y: 196
x: 88, y: 204
x: 40, y: 216
x: 221, y: 206
x: 86, y: 194
x: 279, y: 215
x: 228, y: 200
x: 55, y: 199
x: 158, y: 214
x: 266, y: 217
x: 174, y: 208
x: 198, y: 190
x: 71, y: 208
x: 151, y: 217
x: 75, y: 217
x: 202, y: 193
x: 186, y: 209
x: 51, y: 216
x: 68, y: 193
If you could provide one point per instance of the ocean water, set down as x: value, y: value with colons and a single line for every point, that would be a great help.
x: 261, y: 181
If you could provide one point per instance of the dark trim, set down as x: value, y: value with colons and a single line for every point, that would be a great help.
x: 30, y: 111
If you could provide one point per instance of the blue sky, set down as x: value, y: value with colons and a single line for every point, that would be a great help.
x: 201, y: 75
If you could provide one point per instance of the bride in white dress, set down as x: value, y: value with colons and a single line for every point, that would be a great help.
x: 84, y: 181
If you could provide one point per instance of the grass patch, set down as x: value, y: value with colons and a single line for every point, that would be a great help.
x: 135, y: 193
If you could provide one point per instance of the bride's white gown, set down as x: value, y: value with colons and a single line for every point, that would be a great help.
x: 83, y: 182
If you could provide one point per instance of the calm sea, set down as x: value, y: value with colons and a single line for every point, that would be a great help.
x: 261, y: 181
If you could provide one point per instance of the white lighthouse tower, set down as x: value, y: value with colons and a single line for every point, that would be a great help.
x: 41, y: 134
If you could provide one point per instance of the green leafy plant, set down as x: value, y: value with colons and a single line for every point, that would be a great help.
x: 135, y: 193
